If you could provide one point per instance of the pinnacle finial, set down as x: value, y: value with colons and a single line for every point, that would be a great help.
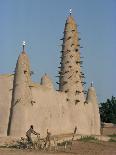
x: 92, y: 84
x: 70, y: 11
x: 24, y: 43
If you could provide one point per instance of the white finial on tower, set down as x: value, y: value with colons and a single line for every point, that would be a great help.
x: 24, y: 43
x: 70, y: 11
x: 92, y: 84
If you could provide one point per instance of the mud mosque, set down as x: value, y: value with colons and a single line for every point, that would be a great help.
x: 24, y: 102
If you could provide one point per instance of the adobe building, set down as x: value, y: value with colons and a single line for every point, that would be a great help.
x: 24, y: 102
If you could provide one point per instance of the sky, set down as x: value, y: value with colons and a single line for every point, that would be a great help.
x: 41, y: 23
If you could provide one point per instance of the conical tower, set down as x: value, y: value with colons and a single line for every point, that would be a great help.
x: 46, y: 81
x: 93, y: 111
x: 71, y: 77
x: 21, y: 97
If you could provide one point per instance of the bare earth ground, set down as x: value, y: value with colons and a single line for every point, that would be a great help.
x: 78, y: 148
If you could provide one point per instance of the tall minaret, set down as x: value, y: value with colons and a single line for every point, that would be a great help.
x: 21, y: 96
x: 71, y: 77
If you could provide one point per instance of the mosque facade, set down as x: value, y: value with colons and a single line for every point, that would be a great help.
x: 24, y: 102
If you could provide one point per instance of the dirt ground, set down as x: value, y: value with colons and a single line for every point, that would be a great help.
x: 78, y: 148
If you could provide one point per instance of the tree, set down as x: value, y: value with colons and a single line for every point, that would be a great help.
x: 108, y: 111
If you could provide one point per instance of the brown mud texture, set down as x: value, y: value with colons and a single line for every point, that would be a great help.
x: 77, y: 148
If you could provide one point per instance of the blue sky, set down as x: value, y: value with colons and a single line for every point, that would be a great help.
x: 41, y: 23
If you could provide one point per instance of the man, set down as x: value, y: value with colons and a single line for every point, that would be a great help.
x: 48, y: 140
x: 29, y: 132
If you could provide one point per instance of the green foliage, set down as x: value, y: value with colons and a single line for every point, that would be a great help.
x: 113, y: 135
x: 88, y: 139
x: 108, y: 111
x: 112, y: 140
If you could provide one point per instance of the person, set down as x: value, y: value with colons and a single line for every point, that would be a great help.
x: 29, y: 132
x: 48, y: 139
